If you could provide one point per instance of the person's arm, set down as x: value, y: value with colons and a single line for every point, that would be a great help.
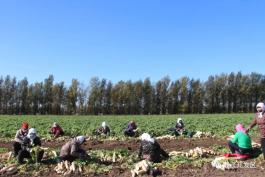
x: 57, y: 133
x: 61, y: 130
x: 52, y: 130
x: 37, y: 141
x: 26, y: 143
x: 135, y: 129
x: 235, y: 139
x: 130, y: 127
x: 162, y: 152
x: 178, y: 126
x: 100, y: 130
x: 18, y: 137
x: 254, y: 122
x: 75, y: 150
x: 83, y: 154
x: 108, y: 131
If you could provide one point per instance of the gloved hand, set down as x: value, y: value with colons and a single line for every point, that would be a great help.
x: 25, y: 143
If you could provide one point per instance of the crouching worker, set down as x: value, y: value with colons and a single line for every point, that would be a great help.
x: 72, y: 150
x: 241, y: 143
x: 179, y: 129
x: 56, y: 130
x: 150, y: 149
x: 104, y: 129
x: 20, y: 136
x: 131, y: 129
x: 30, y: 147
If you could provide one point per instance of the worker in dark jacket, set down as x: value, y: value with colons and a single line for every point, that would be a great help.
x: 29, y: 142
x: 150, y: 149
x: 104, y: 129
x: 131, y: 129
x: 180, y: 128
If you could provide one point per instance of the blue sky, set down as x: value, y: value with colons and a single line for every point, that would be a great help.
x: 122, y: 40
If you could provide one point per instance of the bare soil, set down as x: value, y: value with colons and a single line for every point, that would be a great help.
x: 169, y: 145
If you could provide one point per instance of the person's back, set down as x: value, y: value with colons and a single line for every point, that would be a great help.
x: 72, y: 150
x: 56, y: 130
x: 243, y: 140
x: 104, y: 130
x: 131, y: 129
x: 152, y: 151
x: 147, y: 147
x: 148, y: 150
x: 69, y: 148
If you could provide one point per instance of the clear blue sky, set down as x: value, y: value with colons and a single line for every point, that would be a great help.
x: 122, y: 40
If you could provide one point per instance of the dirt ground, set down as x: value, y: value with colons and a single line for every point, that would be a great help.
x: 133, y: 145
x: 168, y: 145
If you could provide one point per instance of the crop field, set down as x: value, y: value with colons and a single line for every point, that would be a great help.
x: 116, y: 155
x: 219, y: 124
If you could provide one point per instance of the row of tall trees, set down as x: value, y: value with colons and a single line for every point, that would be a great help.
x: 225, y: 93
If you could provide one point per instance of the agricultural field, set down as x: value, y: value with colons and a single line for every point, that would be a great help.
x: 219, y: 124
x: 116, y: 155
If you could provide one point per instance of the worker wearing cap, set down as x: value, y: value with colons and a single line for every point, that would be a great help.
x: 20, y: 135
x: 131, y: 129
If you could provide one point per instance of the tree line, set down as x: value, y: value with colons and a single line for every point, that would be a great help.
x: 224, y: 93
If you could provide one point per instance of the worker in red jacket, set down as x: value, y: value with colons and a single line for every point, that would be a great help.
x: 56, y: 130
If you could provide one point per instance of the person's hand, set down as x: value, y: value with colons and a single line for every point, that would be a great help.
x: 228, y: 139
x: 25, y: 141
x: 247, y: 130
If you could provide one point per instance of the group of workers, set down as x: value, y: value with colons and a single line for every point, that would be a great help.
x: 130, y: 131
x: 241, y: 143
x: 26, y: 138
